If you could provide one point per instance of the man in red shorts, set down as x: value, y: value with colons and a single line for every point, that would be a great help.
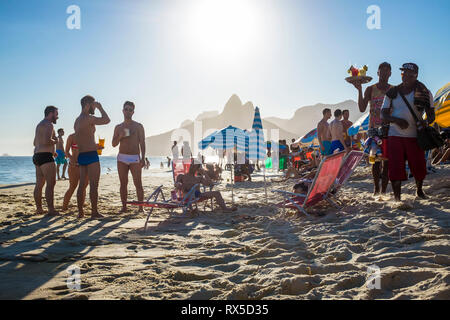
x: 402, y: 140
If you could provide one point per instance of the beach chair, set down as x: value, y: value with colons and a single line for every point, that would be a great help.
x: 185, y: 202
x: 349, y: 164
x: 319, y: 190
x: 181, y: 201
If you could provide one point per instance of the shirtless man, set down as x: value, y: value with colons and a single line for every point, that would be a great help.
x: 196, y: 175
x: 44, y: 148
x: 346, y: 124
x: 73, y: 170
x: 374, y: 97
x: 131, y: 137
x: 61, y: 158
x: 337, y: 133
x: 88, y: 160
x: 323, y: 133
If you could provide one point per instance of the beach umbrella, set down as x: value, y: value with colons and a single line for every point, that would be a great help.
x: 203, y: 144
x: 227, y: 139
x: 442, y: 106
x: 362, y: 124
x: 257, y: 145
x: 307, y: 138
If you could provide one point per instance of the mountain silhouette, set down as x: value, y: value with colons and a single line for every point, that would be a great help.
x: 241, y: 115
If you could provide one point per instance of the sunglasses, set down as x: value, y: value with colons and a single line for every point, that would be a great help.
x: 409, y: 73
x: 128, y: 109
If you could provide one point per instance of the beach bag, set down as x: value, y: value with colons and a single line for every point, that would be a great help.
x: 428, y: 137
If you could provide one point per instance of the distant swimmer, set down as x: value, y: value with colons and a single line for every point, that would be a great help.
x: 88, y: 159
x: 131, y: 137
x: 44, y: 148
x: 61, y: 158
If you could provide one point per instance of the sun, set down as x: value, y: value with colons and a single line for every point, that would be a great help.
x: 224, y: 29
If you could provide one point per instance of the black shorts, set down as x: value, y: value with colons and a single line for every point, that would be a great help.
x: 41, y: 158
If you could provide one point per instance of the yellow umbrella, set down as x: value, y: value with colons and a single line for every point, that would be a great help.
x: 442, y: 106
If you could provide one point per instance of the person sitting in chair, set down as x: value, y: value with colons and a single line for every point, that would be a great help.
x: 196, y: 175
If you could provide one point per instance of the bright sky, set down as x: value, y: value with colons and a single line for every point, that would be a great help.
x: 177, y: 58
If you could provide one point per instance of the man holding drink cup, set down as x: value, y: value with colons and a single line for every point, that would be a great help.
x: 88, y: 159
x: 131, y: 137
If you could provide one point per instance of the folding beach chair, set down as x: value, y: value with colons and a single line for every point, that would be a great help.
x: 349, y: 164
x: 325, y: 178
x: 182, y: 201
x: 185, y: 203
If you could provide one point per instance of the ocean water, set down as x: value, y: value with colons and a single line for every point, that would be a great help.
x: 15, y: 170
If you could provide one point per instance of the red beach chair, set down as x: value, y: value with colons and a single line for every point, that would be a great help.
x: 323, y: 181
x: 351, y: 161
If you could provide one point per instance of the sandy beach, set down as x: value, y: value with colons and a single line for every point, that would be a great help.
x: 256, y: 252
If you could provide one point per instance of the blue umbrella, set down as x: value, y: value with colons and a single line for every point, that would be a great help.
x: 362, y: 124
x: 257, y: 145
x: 225, y: 139
x: 207, y: 141
x: 309, y: 137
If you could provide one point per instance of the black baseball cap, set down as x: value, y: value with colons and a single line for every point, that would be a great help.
x: 410, y: 66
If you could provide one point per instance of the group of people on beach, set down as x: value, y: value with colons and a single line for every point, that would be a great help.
x: 390, y: 114
x: 84, y: 163
x: 390, y: 108
x: 82, y: 152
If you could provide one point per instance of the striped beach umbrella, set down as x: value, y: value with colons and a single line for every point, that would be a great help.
x: 442, y: 106
x: 362, y: 124
x: 257, y: 147
x: 203, y: 144
x: 307, y: 138
x: 226, y: 139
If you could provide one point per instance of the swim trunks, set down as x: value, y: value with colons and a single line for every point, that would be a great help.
x: 61, y: 158
x: 128, y: 158
x: 327, y: 147
x: 41, y: 158
x: 87, y: 158
x: 336, y: 145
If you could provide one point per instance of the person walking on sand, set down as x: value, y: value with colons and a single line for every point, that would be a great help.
x: 88, y: 159
x: 402, y: 137
x: 337, y: 133
x: 44, y: 148
x: 73, y: 170
x: 324, y: 134
x: 61, y: 158
x: 374, y: 96
x: 131, y: 158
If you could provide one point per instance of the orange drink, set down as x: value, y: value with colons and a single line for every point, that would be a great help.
x: 101, y: 143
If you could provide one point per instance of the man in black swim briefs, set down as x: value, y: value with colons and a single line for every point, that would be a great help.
x: 44, y: 148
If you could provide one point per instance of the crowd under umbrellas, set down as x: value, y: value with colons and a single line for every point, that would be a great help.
x: 241, y: 146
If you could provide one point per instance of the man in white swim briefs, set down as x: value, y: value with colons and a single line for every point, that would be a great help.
x: 131, y: 137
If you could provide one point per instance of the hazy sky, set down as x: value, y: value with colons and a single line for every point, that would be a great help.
x: 175, y: 59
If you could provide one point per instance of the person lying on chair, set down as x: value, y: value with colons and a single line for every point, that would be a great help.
x: 196, y: 175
